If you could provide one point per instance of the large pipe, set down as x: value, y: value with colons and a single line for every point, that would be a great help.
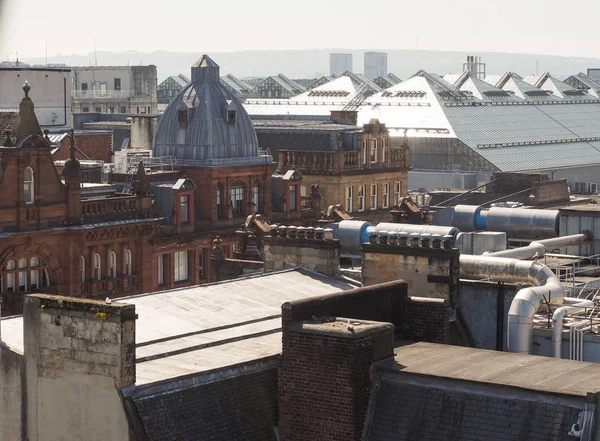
x: 557, y: 322
x: 547, y: 288
x: 540, y: 247
x: 521, y: 223
x: 410, y: 228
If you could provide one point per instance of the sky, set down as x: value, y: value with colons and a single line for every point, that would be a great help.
x: 521, y: 26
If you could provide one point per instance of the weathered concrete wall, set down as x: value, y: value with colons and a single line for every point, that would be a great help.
x: 429, y: 272
x: 320, y: 255
x: 143, y: 129
x: 78, y: 354
x: 478, y: 305
x: 11, y: 394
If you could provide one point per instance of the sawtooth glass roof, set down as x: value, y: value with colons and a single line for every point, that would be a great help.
x: 508, y: 121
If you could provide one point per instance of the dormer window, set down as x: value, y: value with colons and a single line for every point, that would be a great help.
x: 231, y: 116
x: 183, y: 116
x: 231, y: 112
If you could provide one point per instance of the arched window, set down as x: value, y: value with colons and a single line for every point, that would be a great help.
x: 127, y: 262
x: 112, y: 264
x: 82, y: 268
x: 219, y: 201
x: 10, y: 277
x: 237, y: 199
x: 22, y: 275
x: 255, y: 196
x: 28, y: 185
x: 34, y: 274
x: 97, y: 267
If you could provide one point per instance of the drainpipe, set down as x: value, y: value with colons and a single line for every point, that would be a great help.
x: 557, y: 321
x: 527, y: 301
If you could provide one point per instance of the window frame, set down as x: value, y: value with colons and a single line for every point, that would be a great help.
x: 237, y: 204
x: 374, y: 198
x: 97, y: 266
x: 386, y: 195
x: 184, y: 209
x: 350, y: 199
x: 127, y: 262
x: 362, y: 189
x: 373, y: 151
x: 180, y: 270
x: 82, y: 268
x: 28, y: 186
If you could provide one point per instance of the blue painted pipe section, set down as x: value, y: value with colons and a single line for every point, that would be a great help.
x: 481, y: 220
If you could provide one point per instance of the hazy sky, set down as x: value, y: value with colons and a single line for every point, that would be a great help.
x: 525, y: 26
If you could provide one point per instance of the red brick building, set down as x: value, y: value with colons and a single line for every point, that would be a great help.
x: 60, y: 236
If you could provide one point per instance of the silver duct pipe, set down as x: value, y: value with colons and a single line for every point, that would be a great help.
x: 540, y: 247
x: 578, y: 305
x: 421, y: 229
x: 527, y: 301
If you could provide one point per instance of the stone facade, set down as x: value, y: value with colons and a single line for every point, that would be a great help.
x: 74, y: 349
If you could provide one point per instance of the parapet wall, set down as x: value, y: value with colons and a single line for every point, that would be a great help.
x: 311, y: 248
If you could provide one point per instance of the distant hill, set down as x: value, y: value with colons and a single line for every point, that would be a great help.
x: 312, y: 63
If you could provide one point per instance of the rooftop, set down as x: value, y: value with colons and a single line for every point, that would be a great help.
x: 535, y: 373
x: 196, y: 329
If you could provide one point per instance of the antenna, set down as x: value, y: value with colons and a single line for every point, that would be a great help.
x: 95, y: 53
x: 46, y: 52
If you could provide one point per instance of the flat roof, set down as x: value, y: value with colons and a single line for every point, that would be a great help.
x: 586, y: 207
x: 536, y: 373
x: 195, y: 329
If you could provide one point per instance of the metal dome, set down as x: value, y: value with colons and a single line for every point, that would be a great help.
x: 206, y: 124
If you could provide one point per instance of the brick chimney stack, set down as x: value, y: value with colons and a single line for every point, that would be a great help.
x: 324, y: 376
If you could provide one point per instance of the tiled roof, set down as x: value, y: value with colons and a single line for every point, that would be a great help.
x: 242, y: 407
x: 8, y: 120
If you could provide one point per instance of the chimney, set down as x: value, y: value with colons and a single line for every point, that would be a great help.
x: 324, y: 376
x: 75, y: 349
x: 290, y: 247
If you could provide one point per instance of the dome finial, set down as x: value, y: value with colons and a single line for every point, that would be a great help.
x: 26, y: 89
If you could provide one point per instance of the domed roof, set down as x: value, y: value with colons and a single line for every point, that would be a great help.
x: 206, y: 123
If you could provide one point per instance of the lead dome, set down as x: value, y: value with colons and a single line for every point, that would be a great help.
x: 206, y: 124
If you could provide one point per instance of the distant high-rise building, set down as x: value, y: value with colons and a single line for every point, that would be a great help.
x: 340, y: 63
x: 375, y: 65
x: 594, y: 73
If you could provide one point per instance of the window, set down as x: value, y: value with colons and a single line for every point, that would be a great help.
x: 10, y: 277
x: 361, y: 198
x: 102, y: 89
x: 112, y: 264
x: 127, y: 262
x: 201, y: 274
x: 98, y: 110
x: 293, y: 206
x: 34, y: 275
x: 255, y: 193
x: 181, y: 266
x: 349, y: 199
x: 161, y: 269
x: 111, y: 110
x: 383, y: 150
x: 97, y: 267
x: 85, y: 109
x: 84, y: 88
x: 28, y: 185
x: 123, y: 109
x: 117, y: 83
x: 219, y: 201
x: 184, y: 209
x: 237, y: 199
x: 22, y: 275
x: 386, y: 195
x: 364, y: 151
x: 397, y: 192
x: 231, y: 116
x: 138, y: 109
x: 373, y: 196
x: 82, y: 268
x: 373, y: 151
